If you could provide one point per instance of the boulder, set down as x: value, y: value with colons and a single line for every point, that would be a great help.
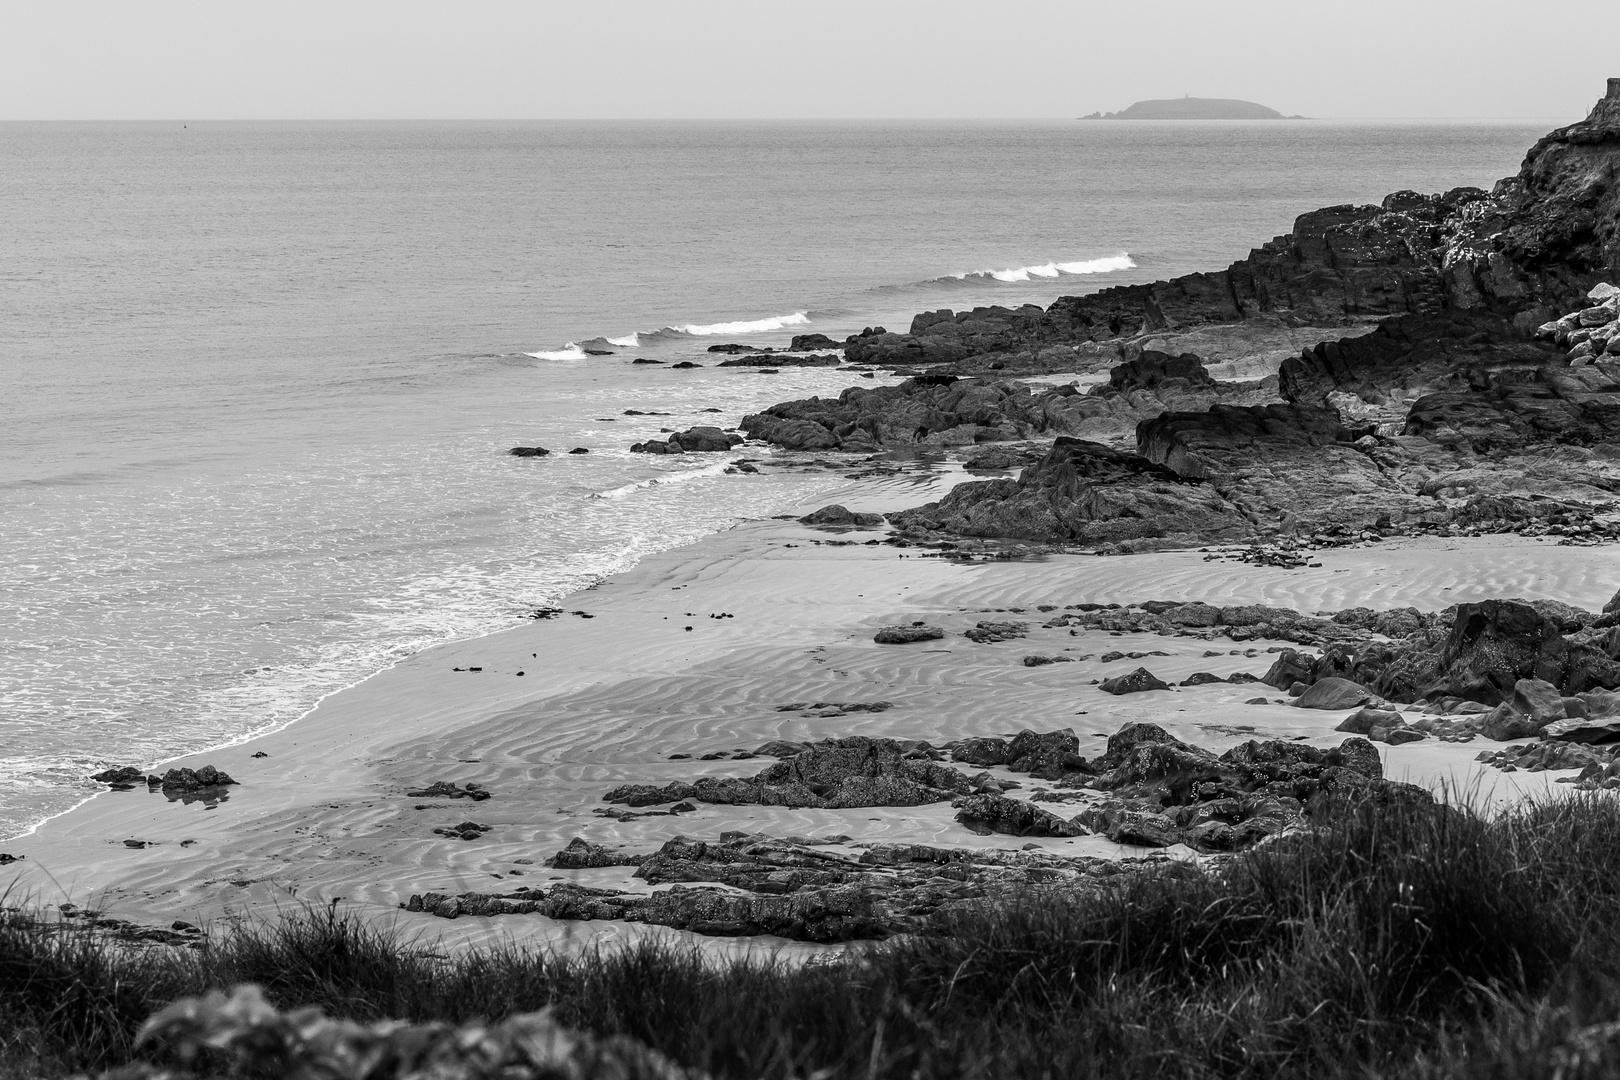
x: 1134, y: 683
x: 983, y: 751
x: 194, y: 780
x: 704, y: 440
x: 1363, y: 721
x: 1014, y: 817
x: 811, y: 342
x: 1504, y: 724
x: 120, y: 778
x: 1047, y: 756
x: 1201, y: 678
x: 1539, y: 700
x: 837, y: 514
x: 528, y: 451
x: 1289, y: 668
x: 1333, y: 693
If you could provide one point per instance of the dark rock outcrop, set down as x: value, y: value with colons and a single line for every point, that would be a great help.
x: 986, y: 814
x: 987, y: 632
x: 1492, y: 645
x: 1333, y: 693
x: 780, y: 360
x: 692, y: 440
x: 749, y: 885
x: 192, y: 779
x: 836, y: 774
x: 444, y: 789
x: 120, y: 778
x: 1086, y: 493
x: 944, y: 411
x: 1413, y: 355
x: 1135, y: 682
x: 837, y: 514
x: 905, y: 635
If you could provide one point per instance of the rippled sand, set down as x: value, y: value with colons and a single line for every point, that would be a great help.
x: 607, y: 700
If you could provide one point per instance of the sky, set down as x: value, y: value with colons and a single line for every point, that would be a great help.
x: 688, y: 59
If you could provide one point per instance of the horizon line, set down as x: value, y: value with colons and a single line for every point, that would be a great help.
x: 711, y: 119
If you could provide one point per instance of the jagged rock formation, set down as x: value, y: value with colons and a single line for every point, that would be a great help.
x: 1491, y: 646
x: 1085, y: 493
x: 944, y: 411
x: 1479, y: 431
x: 1407, y: 357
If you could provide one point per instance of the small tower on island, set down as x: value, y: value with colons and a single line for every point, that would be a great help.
x: 1614, y: 89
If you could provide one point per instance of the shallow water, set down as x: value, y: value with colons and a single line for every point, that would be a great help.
x: 260, y: 378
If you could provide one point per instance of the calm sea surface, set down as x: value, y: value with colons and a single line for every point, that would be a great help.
x: 257, y: 380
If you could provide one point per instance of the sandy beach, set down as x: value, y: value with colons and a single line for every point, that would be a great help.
x: 568, y: 707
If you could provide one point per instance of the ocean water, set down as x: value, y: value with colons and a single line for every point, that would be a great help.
x: 257, y: 380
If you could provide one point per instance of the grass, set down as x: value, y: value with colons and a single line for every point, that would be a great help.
x: 1407, y: 942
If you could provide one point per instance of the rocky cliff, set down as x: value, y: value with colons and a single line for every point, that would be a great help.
x: 1533, y: 245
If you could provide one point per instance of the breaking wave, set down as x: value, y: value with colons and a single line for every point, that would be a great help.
x: 750, y: 326
x: 1106, y: 265
x: 574, y: 350
x: 681, y: 477
x: 570, y: 351
x: 580, y: 350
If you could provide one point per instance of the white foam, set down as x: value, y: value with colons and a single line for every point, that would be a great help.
x: 1105, y: 265
x: 570, y: 351
x: 754, y: 326
x: 629, y: 341
x: 717, y: 469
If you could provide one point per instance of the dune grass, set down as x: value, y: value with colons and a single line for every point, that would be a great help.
x: 1403, y: 941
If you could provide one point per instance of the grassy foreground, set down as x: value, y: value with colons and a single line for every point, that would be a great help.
x: 1406, y: 941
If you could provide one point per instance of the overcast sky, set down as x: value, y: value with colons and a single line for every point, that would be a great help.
x: 227, y: 59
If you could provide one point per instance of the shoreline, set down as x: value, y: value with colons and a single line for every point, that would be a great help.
x: 606, y: 700
x: 275, y: 726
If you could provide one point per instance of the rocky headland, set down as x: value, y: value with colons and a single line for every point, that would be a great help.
x: 1468, y: 385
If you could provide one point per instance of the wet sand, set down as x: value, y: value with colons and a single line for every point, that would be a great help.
x: 606, y: 700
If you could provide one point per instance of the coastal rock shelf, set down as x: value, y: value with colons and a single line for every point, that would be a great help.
x: 944, y: 411
x: 1158, y: 792
x: 793, y: 888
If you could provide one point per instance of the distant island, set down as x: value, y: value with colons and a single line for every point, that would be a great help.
x: 1194, y: 108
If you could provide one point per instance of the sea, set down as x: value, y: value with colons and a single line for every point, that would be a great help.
x: 258, y: 380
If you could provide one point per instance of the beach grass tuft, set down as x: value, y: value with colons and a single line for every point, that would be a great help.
x: 1405, y: 940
